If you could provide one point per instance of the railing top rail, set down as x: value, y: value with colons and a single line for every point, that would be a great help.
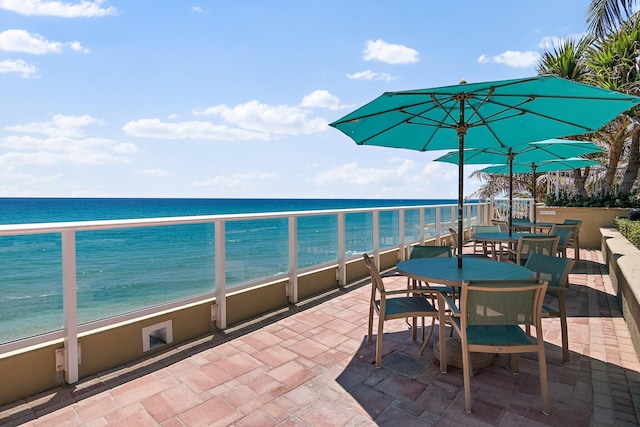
x: 56, y: 227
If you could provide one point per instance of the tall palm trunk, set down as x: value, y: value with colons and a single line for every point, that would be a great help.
x: 631, y: 173
x: 615, y: 140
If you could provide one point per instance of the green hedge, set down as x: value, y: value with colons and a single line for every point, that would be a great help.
x: 629, y: 229
x: 621, y: 200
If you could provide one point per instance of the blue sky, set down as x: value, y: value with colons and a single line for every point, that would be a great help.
x: 233, y: 98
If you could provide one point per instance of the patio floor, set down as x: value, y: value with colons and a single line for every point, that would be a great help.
x: 311, y: 365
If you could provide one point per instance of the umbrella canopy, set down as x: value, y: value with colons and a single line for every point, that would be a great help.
x: 531, y: 154
x: 499, y: 114
x: 541, y: 167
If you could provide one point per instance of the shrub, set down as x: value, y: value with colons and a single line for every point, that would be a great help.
x: 621, y: 200
x: 629, y: 229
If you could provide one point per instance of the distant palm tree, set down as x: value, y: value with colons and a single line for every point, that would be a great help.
x: 613, y: 61
x: 567, y: 59
x: 606, y: 16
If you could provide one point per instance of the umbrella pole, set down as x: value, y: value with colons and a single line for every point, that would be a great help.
x: 460, y: 196
x: 510, y: 157
x: 461, y: 130
x: 533, y: 172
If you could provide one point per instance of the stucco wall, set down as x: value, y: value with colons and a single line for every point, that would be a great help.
x: 623, y: 260
x: 592, y: 220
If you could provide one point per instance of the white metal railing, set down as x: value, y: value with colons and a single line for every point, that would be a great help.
x: 474, y: 213
x: 522, y: 208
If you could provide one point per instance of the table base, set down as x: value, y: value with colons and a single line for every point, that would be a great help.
x: 454, y: 354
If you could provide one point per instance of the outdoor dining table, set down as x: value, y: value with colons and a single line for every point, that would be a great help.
x: 533, y: 226
x: 445, y: 271
x: 510, y: 239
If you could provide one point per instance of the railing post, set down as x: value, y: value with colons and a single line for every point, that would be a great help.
x: 401, y: 236
x: 422, y: 224
x: 221, y: 276
x: 376, y: 236
x: 438, y: 225
x: 293, y: 259
x: 342, y: 250
x: 70, y: 306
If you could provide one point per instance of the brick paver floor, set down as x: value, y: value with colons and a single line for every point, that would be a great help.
x: 312, y: 366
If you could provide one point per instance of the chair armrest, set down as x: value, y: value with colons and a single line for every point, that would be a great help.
x: 451, y: 304
x: 429, y: 292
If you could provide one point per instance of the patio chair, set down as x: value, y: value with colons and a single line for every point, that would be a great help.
x: 395, y: 304
x: 565, y: 234
x: 490, y: 320
x: 555, y: 271
x: 454, y: 245
x: 575, y: 241
x: 527, y: 245
x: 485, y: 245
x: 504, y: 225
x: 418, y: 251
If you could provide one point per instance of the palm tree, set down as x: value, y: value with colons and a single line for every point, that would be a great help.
x: 606, y: 16
x: 613, y: 64
x: 567, y: 59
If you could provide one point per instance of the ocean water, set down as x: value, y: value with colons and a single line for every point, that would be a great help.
x: 123, y: 270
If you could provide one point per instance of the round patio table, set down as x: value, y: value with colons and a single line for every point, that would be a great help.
x: 503, y: 238
x: 538, y: 225
x: 446, y: 271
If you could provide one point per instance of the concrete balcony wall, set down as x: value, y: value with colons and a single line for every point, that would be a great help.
x: 592, y: 220
x: 623, y: 260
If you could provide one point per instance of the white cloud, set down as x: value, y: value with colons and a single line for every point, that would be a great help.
x: 59, y: 126
x: 370, y: 75
x: 390, y: 53
x: 511, y: 58
x: 197, y: 9
x: 322, y: 99
x: 17, y: 66
x: 154, y: 172
x: 198, y: 130
x: 82, y: 9
x: 551, y: 42
x: 64, y: 141
x: 352, y: 174
x: 255, y: 120
x: 22, y: 41
x: 234, y: 180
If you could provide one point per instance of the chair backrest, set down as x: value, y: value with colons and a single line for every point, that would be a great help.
x: 577, y: 222
x: 376, y: 280
x: 504, y: 225
x: 477, y: 229
x: 566, y: 232
x: 551, y: 269
x: 527, y: 245
x: 454, y: 240
x: 419, y: 251
x: 501, y: 302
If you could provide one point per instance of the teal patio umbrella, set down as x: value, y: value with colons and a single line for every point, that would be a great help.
x: 539, y: 167
x: 532, y: 153
x: 490, y: 114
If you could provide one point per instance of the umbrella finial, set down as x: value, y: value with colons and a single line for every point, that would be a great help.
x: 462, y: 81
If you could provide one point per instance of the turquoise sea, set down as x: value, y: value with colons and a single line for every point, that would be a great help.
x: 122, y: 270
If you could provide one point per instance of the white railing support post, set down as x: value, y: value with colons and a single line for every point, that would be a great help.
x: 221, y: 277
x: 293, y: 259
x: 402, y: 250
x: 438, y: 226
x: 422, y: 224
x: 342, y: 250
x: 376, y: 236
x: 69, y: 306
